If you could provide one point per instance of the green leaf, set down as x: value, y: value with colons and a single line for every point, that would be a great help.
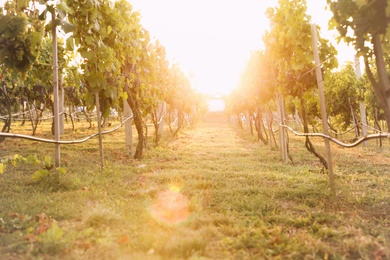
x: 40, y: 175
x: 42, y: 16
x: 64, y: 7
x: 48, y: 162
x: 109, y: 30
x: 14, y: 163
x: 94, y: 13
x: 5, y: 161
x: 61, y: 170
x: 109, y: 92
x: 93, y: 83
x: 50, y: 8
x: 101, y: 66
x: 70, y: 43
x: 2, y: 168
x: 89, y: 98
x: 360, y: 3
x: 68, y: 27
x: 88, y: 40
x: 90, y: 55
x: 17, y: 158
x: 52, y: 236
x: 106, y: 112
x: 298, y: 66
x: 61, y: 14
x: 33, y: 159
x: 3, y: 23
x: 124, y: 95
x: 23, y: 4
x: 103, y: 32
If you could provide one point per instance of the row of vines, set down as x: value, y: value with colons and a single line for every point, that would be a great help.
x: 282, y: 76
x: 103, y: 51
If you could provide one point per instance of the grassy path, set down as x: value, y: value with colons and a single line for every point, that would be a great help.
x: 212, y: 193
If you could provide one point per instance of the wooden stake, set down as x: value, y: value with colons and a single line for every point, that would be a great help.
x: 128, y: 127
x: 61, y: 100
x: 363, y: 116
x: 55, y: 92
x: 162, y: 108
x: 99, y: 123
x: 282, y: 131
x: 324, y: 116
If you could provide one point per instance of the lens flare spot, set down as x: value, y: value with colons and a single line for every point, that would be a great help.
x: 171, y: 207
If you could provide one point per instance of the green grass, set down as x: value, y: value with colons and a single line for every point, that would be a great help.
x: 212, y: 193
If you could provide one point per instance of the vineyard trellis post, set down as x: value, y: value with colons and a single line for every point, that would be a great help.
x: 282, y: 131
x: 99, y: 125
x: 362, y: 108
x: 298, y: 121
x: 55, y: 92
x: 325, y: 129
x: 162, y: 110
x: 128, y: 127
x: 61, y: 97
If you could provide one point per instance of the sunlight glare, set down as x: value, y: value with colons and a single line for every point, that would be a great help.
x: 216, y: 105
x: 210, y: 40
x: 171, y: 207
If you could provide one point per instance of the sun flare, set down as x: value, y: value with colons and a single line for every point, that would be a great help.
x: 212, y: 40
x: 171, y: 207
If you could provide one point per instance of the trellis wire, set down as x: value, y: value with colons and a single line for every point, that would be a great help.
x: 341, y: 133
x: 333, y: 132
x: 91, y: 116
x: 336, y: 141
x: 45, y: 140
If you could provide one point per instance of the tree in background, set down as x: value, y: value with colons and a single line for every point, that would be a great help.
x: 369, y: 20
x: 254, y: 92
x: 113, y: 43
x: 342, y: 84
x: 21, y: 34
x: 289, y: 45
x: 38, y: 86
x: 180, y: 97
x: 158, y: 86
x: 119, y: 61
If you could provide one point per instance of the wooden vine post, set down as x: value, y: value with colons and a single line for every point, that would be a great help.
x: 56, y: 92
x: 324, y: 116
x: 99, y: 125
x: 61, y: 97
x: 362, y: 108
x: 162, y: 110
x: 128, y: 127
x: 282, y: 131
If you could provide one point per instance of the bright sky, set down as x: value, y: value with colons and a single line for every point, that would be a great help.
x: 211, y: 40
